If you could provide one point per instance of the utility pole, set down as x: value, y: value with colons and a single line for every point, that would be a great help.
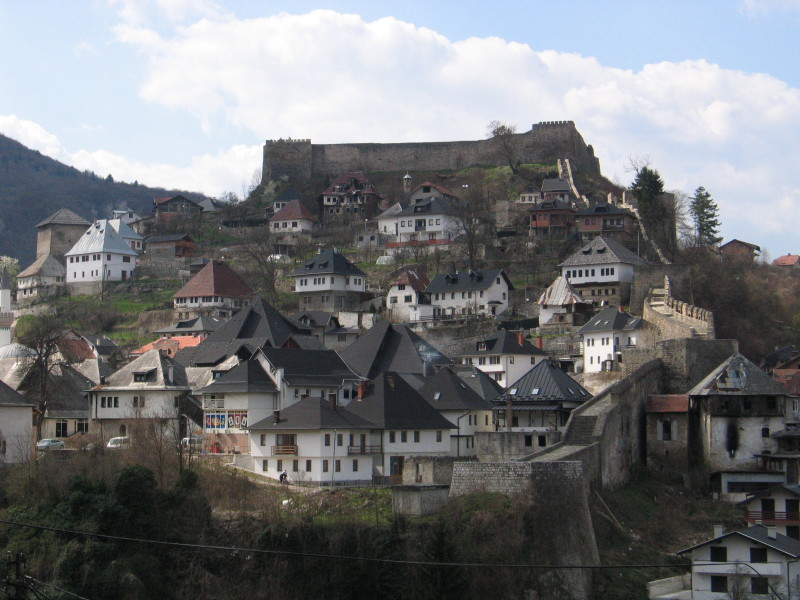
x: 17, y: 581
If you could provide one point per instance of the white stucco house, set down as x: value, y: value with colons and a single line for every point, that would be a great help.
x: 605, y: 336
x: 505, y: 356
x: 293, y: 218
x: 101, y: 254
x: 45, y: 278
x: 483, y: 293
x: 431, y: 222
x: 406, y: 294
x: 328, y: 281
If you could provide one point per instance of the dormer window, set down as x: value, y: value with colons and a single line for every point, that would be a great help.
x: 481, y: 346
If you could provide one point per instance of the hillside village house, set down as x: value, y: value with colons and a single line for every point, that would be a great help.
x: 552, y: 219
x: 505, y: 356
x: 16, y: 432
x: 557, y: 189
x: 329, y: 282
x: 100, y: 255
x: 787, y: 260
x: 405, y: 294
x: 215, y: 291
x: 146, y: 397
x: 282, y: 200
x: 134, y: 240
x: 448, y: 392
x: 777, y: 506
x: 483, y: 293
x: 431, y: 190
x: 561, y: 304
x: 602, y: 271
x: 667, y: 424
x: 175, y: 207
x: 293, y: 218
x: 605, y: 336
x: 739, y: 250
x: 530, y: 194
x: 170, y: 247
x: 429, y: 222
x: 350, y: 193
x: 59, y: 232
x: 326, y: 328
x: 532, y: 411
x: 608, y: 221
x: 45, y: 278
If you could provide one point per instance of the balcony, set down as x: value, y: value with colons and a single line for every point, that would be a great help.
x: 713, y: 568
x: 284, y: 450
x: 363, y: 450
x: 773, y: 518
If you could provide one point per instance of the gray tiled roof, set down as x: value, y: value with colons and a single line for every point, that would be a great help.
x: 447, y: 391
x: 738, y: 376
x: 504, y: 342
x: 44, y: 266
x: 486, y: 387
x: 247, y: 376
x: 101, y: 238
x: 313, y: 413
x: 328, y: 261
x: 392, y: 403
x: 544, y: 383
x: 611, y: 319
x: 560, y: 293
x: 310, y: 367
x: 600, y: 251
x: 152, y: 361
x: 198, y: 324
x: 387, y: 347
x: 428, y: 206
x: 555, y: 185
x: 64, y: 216
x: 602, y: 209
x: 9, y: 397
x: 466, y: 281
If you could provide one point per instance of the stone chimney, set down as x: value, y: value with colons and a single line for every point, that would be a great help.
x: 772, y: 532
x: 520, y: 338
x: 719, y: 531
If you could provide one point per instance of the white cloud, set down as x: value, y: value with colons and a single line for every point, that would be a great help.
x: 769, y: 6
x: 139, y: 12
x: 32, y: 135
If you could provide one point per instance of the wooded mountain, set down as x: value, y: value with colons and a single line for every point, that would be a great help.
x: 33, y: 186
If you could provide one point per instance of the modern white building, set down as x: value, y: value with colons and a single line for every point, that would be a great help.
x: 483, y: 293
x: 328, y: 281
x: 135, y: 241
x: 429, y: 222
x: 605, y: 336
x: 293, y: 218
x: 100, y: 255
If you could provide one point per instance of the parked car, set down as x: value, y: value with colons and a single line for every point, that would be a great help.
x: 195, y: 444
x: 119, y: 442
x: 50, y: 444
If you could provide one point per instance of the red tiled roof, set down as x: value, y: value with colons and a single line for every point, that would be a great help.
x: 171, y: 344
x: 417, y: 281
x: 667, y: 403
x: 293, y: 210
x: 788, y: 260
x: 75, y: 350
x: 215, y: 279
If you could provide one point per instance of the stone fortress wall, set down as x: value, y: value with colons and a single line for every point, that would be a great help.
x: 300, y: 161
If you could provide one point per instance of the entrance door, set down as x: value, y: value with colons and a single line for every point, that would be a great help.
x: 396, y: 467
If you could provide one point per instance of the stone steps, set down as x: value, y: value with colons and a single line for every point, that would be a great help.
x: 581, y: 431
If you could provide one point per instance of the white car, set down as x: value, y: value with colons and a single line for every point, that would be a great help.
x: 119, y: 442
x: 50, y: 444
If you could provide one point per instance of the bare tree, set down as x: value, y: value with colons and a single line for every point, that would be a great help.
x: 475, y: 220
x: 503, y: 134
x: 260, y: 245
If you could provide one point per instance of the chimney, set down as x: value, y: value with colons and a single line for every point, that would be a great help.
x: 276, y: 417
x: 520, y: 338
x: 362, y: 390
x: 509, y: 413
x: 619, y: 308
x: 539, y: 343
x: 772, y: 533
x: 332, y: 401
x: 719, y: 530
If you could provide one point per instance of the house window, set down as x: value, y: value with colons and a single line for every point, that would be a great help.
x: 262, y: 440
x: 280, y: 465
x: 138, y: 402
x: 295, y: 466
x: 758, y: 555
x: 542, y: 441
x: 438, y: 436
x: 82, y: 426
x: 337, y: 465
x: 308, y: 466
x: 416, y: 437
x: 765, y: 432
x: 403, y: 436
x: 759, y: 585
x: 327, y: 439
x: 339, y: 438
x: 391, y: 437
x: 355, y: 465
x: 61, y: 428
x: 324, y: 466
x: 718, y: 554
x: 116, y: 401
x: 529, y: 440
x: 265, y: 465
x: 666, y: 431
x: 102, y: 402
x: 126, y: 259
x: 719, y: 583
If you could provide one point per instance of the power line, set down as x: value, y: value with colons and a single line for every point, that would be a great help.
x: 55, y: 587
x: 338, y: 556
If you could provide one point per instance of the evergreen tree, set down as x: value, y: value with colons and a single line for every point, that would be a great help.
x: 705, y: 215
x: 648, y: 188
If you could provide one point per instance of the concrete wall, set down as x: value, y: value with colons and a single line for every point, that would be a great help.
x: 429, y: 470
x: 300, y: 161
x: 418, y: 500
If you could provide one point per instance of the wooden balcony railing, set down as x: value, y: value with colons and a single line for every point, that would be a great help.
x: 363, y: 450
x: 784, y: 518
x: 278, y: 450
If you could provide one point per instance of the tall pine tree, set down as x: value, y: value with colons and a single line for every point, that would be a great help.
x: 705, y: 215
x: 648, y: 188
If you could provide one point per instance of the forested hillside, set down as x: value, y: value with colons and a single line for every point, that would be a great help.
x: 33, y: 186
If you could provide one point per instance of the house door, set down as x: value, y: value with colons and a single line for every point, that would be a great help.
x: 396, y: 467
x: 767, y: 508
x: 793, y: 509
x: 363, y: 442
x: 124, y: 275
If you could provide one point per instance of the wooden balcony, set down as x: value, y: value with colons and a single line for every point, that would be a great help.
x: 363, y: 450
x: 770, y: 518
x: 284, y: 450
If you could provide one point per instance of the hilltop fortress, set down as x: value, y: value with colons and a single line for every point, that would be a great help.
x: 302, y: 162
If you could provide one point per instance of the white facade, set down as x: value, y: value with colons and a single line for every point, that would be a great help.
x: 602, y: 346
x: 400, y: 445
x: 112, y: 411
x: 16, y: 433
x: 329, y: 283
x: 420, y: 228
x: 232, y: 412
x: 708, y: 575
x: 505, y: 369
x: 491, y: 300
x: 462, y: 437
x: 296, y: 225
x: 99, y: 266
x: 402, y: 301
x: 601, y: 274
x: 753, y: 438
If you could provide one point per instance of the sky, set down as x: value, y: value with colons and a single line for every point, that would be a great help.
x: 183, y: 93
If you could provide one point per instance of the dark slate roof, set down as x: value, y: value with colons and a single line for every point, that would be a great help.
x: 781, y: 355
x: 552, y: 205
x: 9, y: 397
x: 294, y: 209
x: 504, y: 342
x: 387, y: 347
x: 544, y: 383
x: 555, y: 185
x: 466, y: 281
x: 64, y: 216
x: 313, y: 413
x: 310, y: 367
x: 392, y: 403
x: 247, y: 376
x: 602, y: 209
x: 327, y: 261
x: 485, y: 386
x: 256, y: 326
x: 792, y: 488
x: 447, y: 391
x: 429, y: 206
x: 611, y: 319
x: 602, y: 251
x: 68, y: 400
x: 198, y: 324
x: 315, y: 318
x: 167, y: 373
x: 739, y: 377
x: 760, y: 535
x: 174, y: 237
x: 103, y: 345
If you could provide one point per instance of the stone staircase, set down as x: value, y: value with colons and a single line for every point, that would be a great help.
x: 581, y: 430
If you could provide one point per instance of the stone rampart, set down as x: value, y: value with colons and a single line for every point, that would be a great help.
x: 647, y: 277
x: 300, y: 161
